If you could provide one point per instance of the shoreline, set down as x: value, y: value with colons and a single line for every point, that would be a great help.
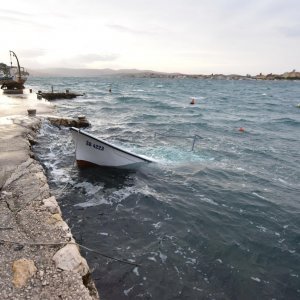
x: 40, y: 258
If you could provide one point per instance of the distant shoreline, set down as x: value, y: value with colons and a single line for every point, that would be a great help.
x: 285, y: 76
x: 65, y: 72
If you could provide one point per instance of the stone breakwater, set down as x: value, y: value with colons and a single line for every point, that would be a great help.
x: 39, y: 257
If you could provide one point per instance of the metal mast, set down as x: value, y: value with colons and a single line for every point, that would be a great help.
x: 19, y: 68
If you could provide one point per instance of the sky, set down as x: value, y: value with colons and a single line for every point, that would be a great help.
x: 187, y: 36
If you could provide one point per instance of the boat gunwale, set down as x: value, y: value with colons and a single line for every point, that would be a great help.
x: 110, y: 145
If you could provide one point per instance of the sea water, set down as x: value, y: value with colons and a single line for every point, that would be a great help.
x: 219, y: 222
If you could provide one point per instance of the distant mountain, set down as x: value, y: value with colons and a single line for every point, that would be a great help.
x: 66, y: 72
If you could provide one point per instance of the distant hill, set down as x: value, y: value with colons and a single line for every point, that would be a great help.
x: 66, y: 72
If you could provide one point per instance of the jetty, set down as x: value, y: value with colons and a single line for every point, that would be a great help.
x: 39, y: 257
x: 57, y: 95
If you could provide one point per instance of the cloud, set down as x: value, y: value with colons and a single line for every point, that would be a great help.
x: 32, y: 53
x: 84, y: 60
x: 19, y: 20
x: 94, y: 57
x: 290, y: 31
x: 126, y: 29
x: 14, y: 13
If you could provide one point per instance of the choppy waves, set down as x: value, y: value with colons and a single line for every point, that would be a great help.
x: 218, y: 222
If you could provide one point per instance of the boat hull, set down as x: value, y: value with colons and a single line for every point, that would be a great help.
x: 11, y: 83
x: 91, y: 151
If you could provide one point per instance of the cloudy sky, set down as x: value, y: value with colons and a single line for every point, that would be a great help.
x: 188, y: 36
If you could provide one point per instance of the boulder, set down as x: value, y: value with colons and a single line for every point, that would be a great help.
x: 81, y: 121
x: 68, y: 258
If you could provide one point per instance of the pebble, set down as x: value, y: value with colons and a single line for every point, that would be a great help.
x: 44, y: 283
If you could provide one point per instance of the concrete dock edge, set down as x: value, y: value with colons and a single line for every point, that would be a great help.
x: 39, y: 256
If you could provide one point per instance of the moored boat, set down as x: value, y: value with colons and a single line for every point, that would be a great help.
x: 12, y: 77
x: 91, y: 150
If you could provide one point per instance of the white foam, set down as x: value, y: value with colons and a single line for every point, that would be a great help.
x: 89, y: 188
x: 191, y: 261
x: 6, y: 121
x: 93, y: 202
x: 157, y: 225
x: 136, y: 271
x: 103, y: 233
x: 208, y: 200
x: 262, y: 228
x: 163, y: 257
x: 152, y: 258
x: 197, y: 289
x: 256, y: 279
x: 259, y: 196
x: 126, y: 292
x: 116, y: 196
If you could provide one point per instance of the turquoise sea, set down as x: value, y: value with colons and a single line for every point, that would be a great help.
x: 219, y: 222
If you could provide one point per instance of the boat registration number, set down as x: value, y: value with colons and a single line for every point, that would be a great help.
x: 98, y: 147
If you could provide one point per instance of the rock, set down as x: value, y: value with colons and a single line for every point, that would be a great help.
x: 55, y: 218
x: 23, y: 269
x: 81, y: 121
x: 51, y: 205
x: 58, y: 222
x: 68, y: 258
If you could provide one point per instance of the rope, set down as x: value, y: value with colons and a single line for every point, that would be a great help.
x: 70, y: 243
x: 59, y: 192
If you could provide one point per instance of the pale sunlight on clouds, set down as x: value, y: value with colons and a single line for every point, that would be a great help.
x: 188, y: 36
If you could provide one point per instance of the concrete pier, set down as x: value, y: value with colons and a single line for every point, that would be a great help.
x: 58, y: 95
x: 39, y: 257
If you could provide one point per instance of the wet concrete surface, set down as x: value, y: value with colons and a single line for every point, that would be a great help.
x: 39, y: 257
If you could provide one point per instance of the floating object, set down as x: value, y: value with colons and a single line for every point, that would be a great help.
x: 58, y: 95
x: 193, y: 101
x: 91, y: 150
x: 12, y: 77
x: 31, y: 112
x: 109, y: 90
x: 298, y: 105
x: 241, y: 129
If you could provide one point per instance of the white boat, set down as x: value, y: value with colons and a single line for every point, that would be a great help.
x: 91, y: 150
